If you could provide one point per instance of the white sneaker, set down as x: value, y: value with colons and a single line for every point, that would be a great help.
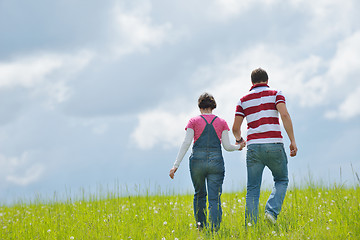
x: 270, y: 218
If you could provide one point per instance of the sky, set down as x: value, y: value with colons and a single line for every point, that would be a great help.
x: 95, y: 95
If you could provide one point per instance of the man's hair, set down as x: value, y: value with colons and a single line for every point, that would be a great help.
x: 259, y: 75
x: 206, y: 100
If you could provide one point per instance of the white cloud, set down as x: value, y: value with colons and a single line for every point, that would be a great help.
x: 229, y: 8
x: 346, y: 61
x: 160, y: 127
x: 44, y: 73
x: 135, y: 31
x: 298, y: 80
x: 332, y: 15
x: 20, y: 170
x: 228, y: 79
x: 28, y: 71
x: 349, y: 108
x: 326, y: 19
x: 343, y: 76
x: 29, y: 176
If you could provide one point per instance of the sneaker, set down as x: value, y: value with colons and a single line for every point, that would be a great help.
x: 270, y: 218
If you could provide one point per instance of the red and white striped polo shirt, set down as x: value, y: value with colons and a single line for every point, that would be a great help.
x: 259, y: 108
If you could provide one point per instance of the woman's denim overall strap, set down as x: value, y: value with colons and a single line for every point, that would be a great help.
x: 208, y: 139
x: 207, y: 166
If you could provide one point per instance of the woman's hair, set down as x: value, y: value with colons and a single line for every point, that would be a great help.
x: 206, y: 100
x: 259, y: 75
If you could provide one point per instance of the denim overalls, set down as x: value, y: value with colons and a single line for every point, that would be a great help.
x: 207, y: 164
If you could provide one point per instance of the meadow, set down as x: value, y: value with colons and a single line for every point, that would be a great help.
x: 311, y: 212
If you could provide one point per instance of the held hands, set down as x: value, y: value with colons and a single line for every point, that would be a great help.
x: 172, y: 172
x: 241, y: 142
x: 242, y: 145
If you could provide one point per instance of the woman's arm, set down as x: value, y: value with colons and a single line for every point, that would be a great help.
x: 184, y: 146
x: 183, y: 149
x: 226, y: 142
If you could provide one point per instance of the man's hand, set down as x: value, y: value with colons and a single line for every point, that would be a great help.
x: 172, y: 172
x: 293, y: 149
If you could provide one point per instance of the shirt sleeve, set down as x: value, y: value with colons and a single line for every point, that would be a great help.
x: 226, y: 142
x: 239, y: 110
x: 280, y: 97
x: 225, y: 126
x: 190, y: 124
x: 184, y: 146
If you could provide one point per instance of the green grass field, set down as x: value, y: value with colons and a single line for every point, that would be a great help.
x: 308, y: 213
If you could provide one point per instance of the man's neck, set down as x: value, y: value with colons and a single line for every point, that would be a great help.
x: 260, y: 83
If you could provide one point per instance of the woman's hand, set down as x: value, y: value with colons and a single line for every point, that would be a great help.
x: 172, y: 172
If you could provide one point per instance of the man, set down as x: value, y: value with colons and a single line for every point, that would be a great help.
x: 261, y: 107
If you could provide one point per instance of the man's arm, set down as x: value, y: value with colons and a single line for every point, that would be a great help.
x: 286, y: 119
x: 236, y: 129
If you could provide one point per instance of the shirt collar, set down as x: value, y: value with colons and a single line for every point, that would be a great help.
x: 259, y: 85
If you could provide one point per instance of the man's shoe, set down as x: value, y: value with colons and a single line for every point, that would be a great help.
x: 270, y: 218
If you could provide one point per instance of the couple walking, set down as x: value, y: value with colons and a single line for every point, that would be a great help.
x: 261, y: 108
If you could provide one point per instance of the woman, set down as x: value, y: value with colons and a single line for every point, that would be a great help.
x: 206, y: 160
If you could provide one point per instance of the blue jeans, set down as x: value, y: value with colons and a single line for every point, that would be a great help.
x: 274, y: 157
x: 207, y: 166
